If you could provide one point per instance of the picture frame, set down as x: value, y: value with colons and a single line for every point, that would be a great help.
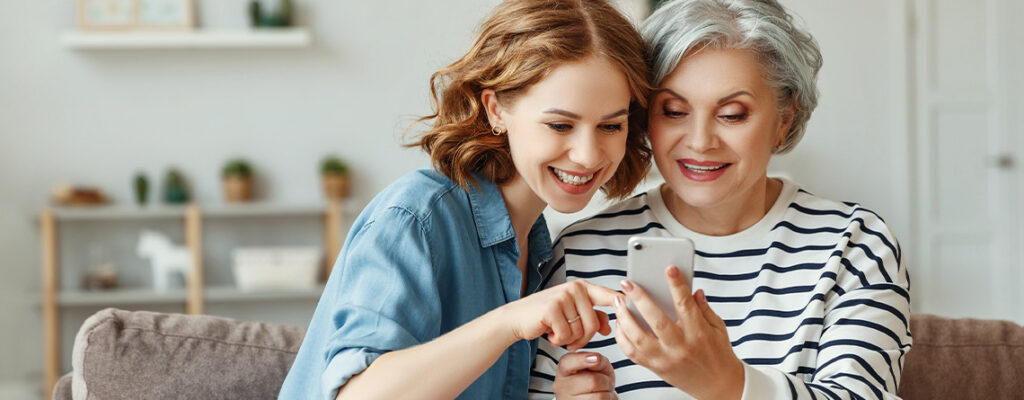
x: 119, y: 15
x: 166, y: 14
x: 107, y: 14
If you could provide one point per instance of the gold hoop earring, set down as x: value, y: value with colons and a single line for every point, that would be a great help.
x: 498, y: 131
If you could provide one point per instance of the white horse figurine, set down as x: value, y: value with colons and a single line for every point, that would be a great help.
x: 165, y: 257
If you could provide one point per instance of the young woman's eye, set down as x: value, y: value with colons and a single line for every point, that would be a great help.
x: 559, y: 127
x: 611, y: 128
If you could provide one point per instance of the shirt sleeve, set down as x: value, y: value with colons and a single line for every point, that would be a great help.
x: 866, y: 329
x: 545, y: 365
x: 385, y: 298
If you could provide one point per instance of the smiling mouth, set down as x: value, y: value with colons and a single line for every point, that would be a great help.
x: 571, y: 179
x: 703, y: 169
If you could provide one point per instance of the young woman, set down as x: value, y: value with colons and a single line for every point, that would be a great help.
x: 431, y: 296
x: 797, y: 296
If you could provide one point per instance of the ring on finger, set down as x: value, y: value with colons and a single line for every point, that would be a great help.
x: 573, y: 319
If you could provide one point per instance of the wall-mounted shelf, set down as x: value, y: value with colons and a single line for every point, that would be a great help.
x: 195, y: 39
x: 137, y: 296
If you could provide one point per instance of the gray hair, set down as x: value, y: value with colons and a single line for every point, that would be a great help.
x: 789, y: 56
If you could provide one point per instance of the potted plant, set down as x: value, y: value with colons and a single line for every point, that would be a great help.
x: 334, y: 172
x: 237, y: 179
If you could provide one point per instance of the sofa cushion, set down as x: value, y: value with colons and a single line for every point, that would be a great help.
x: 963, y: 359
x: 145, y: 355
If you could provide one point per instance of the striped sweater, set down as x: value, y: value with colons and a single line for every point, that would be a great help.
x: 814, y: 295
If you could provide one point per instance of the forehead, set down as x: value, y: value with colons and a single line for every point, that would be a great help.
x: 711, y: 72
x: 594, y: 84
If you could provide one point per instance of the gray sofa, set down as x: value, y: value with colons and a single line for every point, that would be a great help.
x: 144, y: 355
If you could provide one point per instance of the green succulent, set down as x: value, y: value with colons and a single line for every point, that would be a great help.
x: 333, y: 165
x: 238, y: 167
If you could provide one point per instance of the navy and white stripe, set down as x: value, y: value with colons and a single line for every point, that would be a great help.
x: 815, y: 296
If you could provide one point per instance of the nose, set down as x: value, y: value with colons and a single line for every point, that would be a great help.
x: 586, y: 150
x: 702, y: 136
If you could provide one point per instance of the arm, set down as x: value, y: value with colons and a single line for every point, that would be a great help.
x: 860, y: 352
x: 400, y: 309
x: 470, y: 349
x: 867, y: 326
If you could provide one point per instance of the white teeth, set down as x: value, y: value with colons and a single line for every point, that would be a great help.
x: 696, y: 168
x: 572, y: 179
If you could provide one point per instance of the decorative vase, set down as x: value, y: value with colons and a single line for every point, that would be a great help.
x: 336, y: 186
x: 237, y: 189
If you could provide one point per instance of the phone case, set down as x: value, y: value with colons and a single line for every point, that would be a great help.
x: 646, y: 260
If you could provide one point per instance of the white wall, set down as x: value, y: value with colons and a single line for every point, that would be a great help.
x: 97, y: 116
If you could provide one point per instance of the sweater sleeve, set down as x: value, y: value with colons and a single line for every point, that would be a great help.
x: 866, y: 331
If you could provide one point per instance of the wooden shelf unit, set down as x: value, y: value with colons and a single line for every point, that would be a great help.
x: 195, y: 294
x: 189, y: 39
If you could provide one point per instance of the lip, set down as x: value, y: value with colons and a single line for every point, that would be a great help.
x: 702, y: 176
x: 574, y: 189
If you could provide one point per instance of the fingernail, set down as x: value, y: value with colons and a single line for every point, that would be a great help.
x: 618, y: 303
x: 672, y: 271
x: 627, y: 286
x: 592, y: 359
x: 699, y: 296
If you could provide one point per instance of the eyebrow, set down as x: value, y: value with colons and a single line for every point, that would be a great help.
x: 720, y: 101
x: 734, y: 95
x: 573, y: 115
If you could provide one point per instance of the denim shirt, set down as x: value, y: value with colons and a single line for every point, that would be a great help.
x: 423, y: 258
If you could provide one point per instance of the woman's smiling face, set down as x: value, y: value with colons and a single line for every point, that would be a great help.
x: 567, y: 133
x: 713, y: 123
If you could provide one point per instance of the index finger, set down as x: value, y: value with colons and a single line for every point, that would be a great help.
x: 682, y: 296
x: 600, y: 295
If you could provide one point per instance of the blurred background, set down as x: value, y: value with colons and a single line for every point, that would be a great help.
x: 919, y: 120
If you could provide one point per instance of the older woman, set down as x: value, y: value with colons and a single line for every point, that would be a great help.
x: 796, y: 296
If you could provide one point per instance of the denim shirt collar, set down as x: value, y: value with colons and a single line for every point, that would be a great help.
x: 493, y: 224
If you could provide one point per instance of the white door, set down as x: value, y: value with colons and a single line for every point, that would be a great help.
x: 968, y: 220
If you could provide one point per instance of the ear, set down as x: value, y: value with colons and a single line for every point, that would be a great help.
x: 785, y: 124
x: 492, y: 107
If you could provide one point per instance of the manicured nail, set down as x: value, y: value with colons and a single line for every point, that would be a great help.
x: 592, y: 360
x: 627, y: 286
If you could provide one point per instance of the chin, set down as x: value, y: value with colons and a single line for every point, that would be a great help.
x: 568, y: 207
x: 696, y: 197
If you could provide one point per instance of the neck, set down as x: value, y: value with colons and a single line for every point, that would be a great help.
x: 524, y: 207
x: 729, y: 217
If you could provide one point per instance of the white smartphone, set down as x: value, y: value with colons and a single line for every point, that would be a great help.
x: 646, y: 260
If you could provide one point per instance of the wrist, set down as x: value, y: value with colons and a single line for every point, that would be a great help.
x: 730, y: 386
x: 499, y: 326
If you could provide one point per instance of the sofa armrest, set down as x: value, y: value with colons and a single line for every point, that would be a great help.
x: 964, y: 359
x: 141, y: 354
x: 62, y: 390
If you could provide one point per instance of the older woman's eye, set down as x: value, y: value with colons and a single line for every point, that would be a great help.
x: 673, y: 113
x: 733, y: 118
x: 559, y: 127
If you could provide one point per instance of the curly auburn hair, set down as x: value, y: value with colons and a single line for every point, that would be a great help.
x: 521, y: 42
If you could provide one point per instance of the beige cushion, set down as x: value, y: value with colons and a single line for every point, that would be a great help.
x: 145, y: 355
x: 963, y: 359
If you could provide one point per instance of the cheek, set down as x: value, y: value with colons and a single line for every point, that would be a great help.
x: 661, y: 138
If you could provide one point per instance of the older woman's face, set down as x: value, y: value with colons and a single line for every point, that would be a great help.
x: 713, y: 124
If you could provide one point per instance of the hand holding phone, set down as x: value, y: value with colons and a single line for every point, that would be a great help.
x: 646, y: 260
